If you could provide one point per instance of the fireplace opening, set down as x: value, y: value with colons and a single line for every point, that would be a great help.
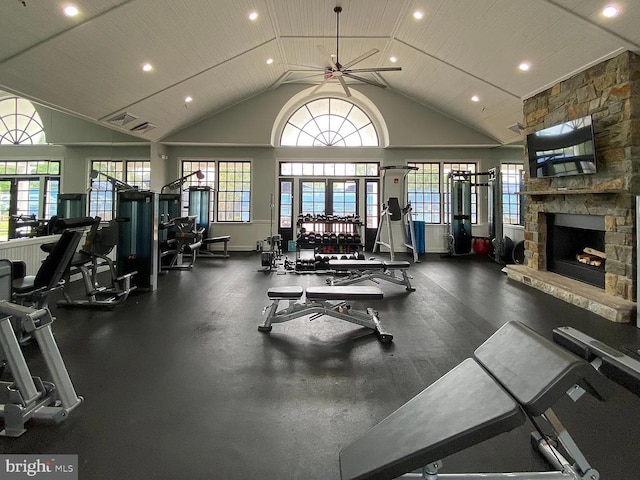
x: 575, y: 247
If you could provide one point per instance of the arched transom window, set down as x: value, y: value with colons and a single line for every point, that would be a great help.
x: 329, y: 122
x: 20, y: 123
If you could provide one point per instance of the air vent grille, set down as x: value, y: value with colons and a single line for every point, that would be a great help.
x: 517, y: 128
x: 122, y: 119
x: 143, y: 127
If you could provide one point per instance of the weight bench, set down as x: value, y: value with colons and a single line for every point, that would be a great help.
x: 184, y: 241
x: 362, y: 270
x: 516, y: 374
x: 205, y: 252
x: 319, y: 302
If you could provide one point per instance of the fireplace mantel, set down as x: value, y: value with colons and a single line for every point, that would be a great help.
x: 570, y: 191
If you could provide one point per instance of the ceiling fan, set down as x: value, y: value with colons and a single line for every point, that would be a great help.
x: 338, y: 71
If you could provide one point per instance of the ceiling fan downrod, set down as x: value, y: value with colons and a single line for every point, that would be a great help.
x: 337, y: 9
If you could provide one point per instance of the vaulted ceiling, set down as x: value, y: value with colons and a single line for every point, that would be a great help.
x: 90, y: 65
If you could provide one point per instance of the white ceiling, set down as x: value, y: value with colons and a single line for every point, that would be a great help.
x: 90, y: 65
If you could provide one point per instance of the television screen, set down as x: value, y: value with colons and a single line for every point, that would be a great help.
x: 565, y: 149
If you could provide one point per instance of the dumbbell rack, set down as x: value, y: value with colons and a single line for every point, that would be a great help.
x: 322, y: 238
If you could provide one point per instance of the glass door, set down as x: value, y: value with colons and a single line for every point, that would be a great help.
x: 286, y: 222
x: 6, y: 208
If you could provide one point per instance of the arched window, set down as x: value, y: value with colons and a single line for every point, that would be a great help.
x: 329, y: 122
x: 20, y: 123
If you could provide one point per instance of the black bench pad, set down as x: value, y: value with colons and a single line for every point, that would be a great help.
x: 346, y: 292
x: 464, y: 407
x: 396, y: 265
x: 536, y: 371
x: 356, y: 264
x: 285, y: 292
x: 223, y: 238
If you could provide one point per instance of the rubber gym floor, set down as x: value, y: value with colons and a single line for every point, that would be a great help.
x: 179, y: 383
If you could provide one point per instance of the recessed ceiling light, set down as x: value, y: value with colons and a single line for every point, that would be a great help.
x: 71, y: 10
x: 188, y: 99
x: 393, y: 59
x: 524, y: 66
x: 610, y: 11
x: 147, y: 67
x: 269, y: 61
x: 418, y: 15
x: 253, y: 16
x: 475, y: 98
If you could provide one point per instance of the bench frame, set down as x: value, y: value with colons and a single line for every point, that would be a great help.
x: 204, y: 251
x: 375, y: 270
x: 321, y: 305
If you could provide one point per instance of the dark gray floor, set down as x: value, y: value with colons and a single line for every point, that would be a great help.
x: 179, y: 383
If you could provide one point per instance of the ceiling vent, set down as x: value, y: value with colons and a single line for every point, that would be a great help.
x: 122, y: 119
x: 517, y: 128
x: 143, y: 127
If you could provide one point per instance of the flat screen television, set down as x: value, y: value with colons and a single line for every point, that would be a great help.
x: 561, y: 150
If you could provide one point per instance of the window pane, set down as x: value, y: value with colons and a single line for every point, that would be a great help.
x: 234, y: 195
x: 329, y: 122
x: 423, y: 189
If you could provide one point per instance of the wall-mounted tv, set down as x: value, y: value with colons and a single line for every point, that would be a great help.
x: 565, y: 149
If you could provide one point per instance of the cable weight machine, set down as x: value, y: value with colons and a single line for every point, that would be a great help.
x: 393, y: 212
x: 460, y: 240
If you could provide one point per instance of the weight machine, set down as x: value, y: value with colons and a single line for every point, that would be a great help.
x: 458, y: 211
x: 269, y: 258
x: 393, y: 212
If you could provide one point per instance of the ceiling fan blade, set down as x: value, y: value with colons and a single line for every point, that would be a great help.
x: 304, y: 77
x: 320, y: 86
x: 344, y: 85
x: 362, y: 57
x: 374, y: 69
x: 311, y: 67
x: 326, y: 55
x: 364, y: 80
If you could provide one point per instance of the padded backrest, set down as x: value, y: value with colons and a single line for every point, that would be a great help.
x: 54, y: 266
x: 395, y: 212
x: 536, y: 371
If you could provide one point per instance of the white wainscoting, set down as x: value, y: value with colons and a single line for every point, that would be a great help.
x: 28, y: 250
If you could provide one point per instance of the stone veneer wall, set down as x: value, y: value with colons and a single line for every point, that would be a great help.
x: 610, y: 92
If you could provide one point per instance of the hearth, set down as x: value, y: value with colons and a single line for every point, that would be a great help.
x: 575, y: 247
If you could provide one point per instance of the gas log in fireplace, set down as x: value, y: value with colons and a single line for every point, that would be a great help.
x: 575, y: 247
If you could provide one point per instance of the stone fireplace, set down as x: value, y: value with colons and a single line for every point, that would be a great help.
x: 574, y: 247
x: 565, y: 215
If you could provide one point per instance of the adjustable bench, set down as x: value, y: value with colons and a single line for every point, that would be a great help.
x: 362, y: 270
x: 516, y: 374
x: 319, y: 302
x: 205, y: 252
x: 184, y: 240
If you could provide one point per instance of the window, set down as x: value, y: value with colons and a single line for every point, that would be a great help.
x: 511, y: 176
x: 329, y: 122
x: 423, y: 188
x: 102, y: 200
x: 27, y: 187
x: 314, y: 198
x: 286, y: 203
x: 329, y: 169
x: 234, y: 191
x: 208, y: 168
x: 139, y: 174
x: 20, y: 123
x: 464, y: 167
x: 372, y: 202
